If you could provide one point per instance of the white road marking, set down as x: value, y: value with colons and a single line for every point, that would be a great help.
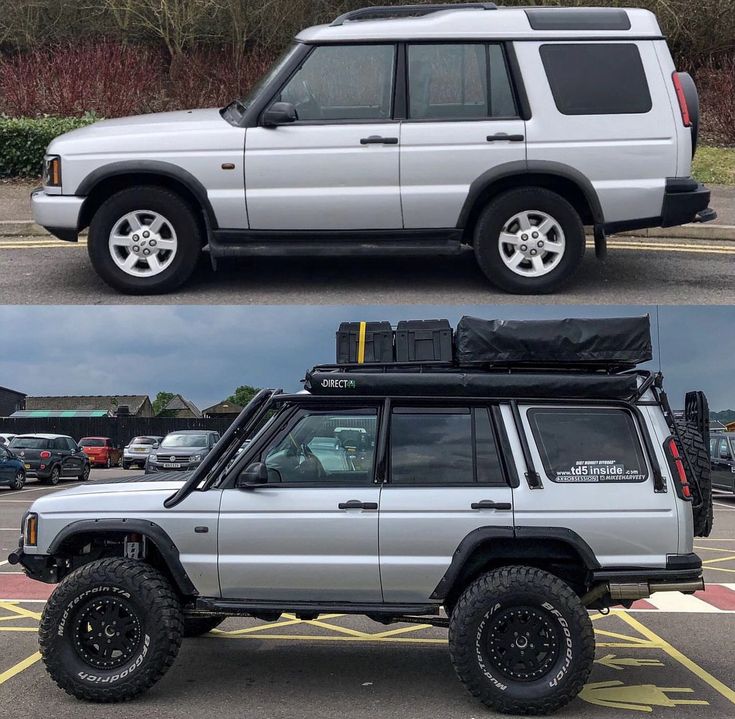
x: 677, y: 602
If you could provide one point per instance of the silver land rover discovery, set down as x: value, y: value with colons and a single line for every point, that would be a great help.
x: 400, y: 131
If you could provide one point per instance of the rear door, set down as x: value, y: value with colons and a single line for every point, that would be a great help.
x: 445, y: 480
x: 311, y: 532
x: 461, y: 121
x: 596, y: 481
x: 7, y: 470
x: 72, y: 457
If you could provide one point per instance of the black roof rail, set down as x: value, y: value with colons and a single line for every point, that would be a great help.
x: 391, y: 11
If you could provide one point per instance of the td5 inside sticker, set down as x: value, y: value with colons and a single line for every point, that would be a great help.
x: 599, y: 470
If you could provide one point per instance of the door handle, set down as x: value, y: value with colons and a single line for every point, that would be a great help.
x: 378, y: 140
x: 487, y: 504
x: 356, y: 504
x: 503, y: 137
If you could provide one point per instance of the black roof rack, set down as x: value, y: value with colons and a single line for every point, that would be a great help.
x: 385, y: 12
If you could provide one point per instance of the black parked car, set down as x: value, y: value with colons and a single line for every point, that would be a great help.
x: 722, y: 454
x: 51, y: 457
x: 12, y: 471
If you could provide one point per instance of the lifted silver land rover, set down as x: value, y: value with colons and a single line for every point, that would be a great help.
x: 500, y: 482
x: 400, y: 131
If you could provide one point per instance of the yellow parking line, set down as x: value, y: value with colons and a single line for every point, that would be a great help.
x: 719, y: 559
x: 402, y: 630
x: 19, y: 629
x: 335, y: 628
x: 674, y: 653
x: 272, y: 625
x: 720, y: 569
x: 12, y: 607
x: 624, y: 637
x: 321, y: 638
x: 19, y: 667
x: 714, y: 549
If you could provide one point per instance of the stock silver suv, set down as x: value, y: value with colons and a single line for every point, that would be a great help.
x: 400, y: 131
x: 487, y: 471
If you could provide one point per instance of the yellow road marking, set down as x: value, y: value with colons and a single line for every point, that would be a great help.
x: 719, y: 559
x: 674, y: 653
x: 320, y: 638
x: 720, y: 569
x: 402, y: 630
x: 273, y: 625
x: 13, y: 607
x: 19, y: 629
x: 19, y: 667
x: 715, y: 549
x: 624, y: 637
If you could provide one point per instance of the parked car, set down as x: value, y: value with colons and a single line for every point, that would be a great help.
x: 137, y: 450
x: 506, y: 130
x: 51, y: 457
x: 102, y: 451
x: 514, y: 501
x: 722, y: 453
x: 12, y: 470
x: 6, y: 438
x: 182, y: 450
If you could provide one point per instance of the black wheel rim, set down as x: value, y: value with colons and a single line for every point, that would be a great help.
x: 106, y: 632
x: 522, y: 643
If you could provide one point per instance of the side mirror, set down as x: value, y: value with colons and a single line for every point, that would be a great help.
x: 155, y: 445
x: 279, y: 113
x: 256, y: 475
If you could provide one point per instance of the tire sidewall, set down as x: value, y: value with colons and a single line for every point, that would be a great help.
x: 175, y: 210
x: 490, y: 225
x: 55, y: 476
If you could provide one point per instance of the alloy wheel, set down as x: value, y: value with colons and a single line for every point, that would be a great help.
x: 143, y: 243
x: 532, y: 243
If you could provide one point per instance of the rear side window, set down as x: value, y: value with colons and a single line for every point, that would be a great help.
x: 588, y: 445
x: 597, y: 79
x: 443, y: 447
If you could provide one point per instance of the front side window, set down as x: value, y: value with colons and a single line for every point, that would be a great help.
x: 437, y: 447
x: 343, y: 83
x: 458, y: 82
x: 325, y: 448
x: 597, y: 78
x: 588, y: 445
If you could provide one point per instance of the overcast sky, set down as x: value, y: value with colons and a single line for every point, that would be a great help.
x: 205, y: 352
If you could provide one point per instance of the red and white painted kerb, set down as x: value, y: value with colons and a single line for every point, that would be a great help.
x: 16, y: 587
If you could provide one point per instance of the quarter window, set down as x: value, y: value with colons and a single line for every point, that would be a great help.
x: 325, y: 448
x: 597, y: 79
x: 343, y: 82
x: 437, y: 447
x: 588, y: 445
x: 458, y: 82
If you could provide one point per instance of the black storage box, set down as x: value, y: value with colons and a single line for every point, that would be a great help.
x: 602, y: 342
x: 377, y: 343
x: 424, y: 341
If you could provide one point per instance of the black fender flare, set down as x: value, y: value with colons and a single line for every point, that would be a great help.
x: 155, y: 168
x: 531, y: 167
x: 481, y: 535
x: 152, y: 531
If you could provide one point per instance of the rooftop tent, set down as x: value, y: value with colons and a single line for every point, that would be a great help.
x: 622, y: 342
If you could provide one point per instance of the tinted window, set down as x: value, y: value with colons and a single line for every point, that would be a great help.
x: 343, y: 82
x: 92, y: 442
x: 588, y: 445
x: 724, y: 449
x: 325, y: 448
x: 488, y: 462
x: 596, y: 79
x: 29, y: 443
x: 452, y: 82
x: 3, y: 454
x: 143, y: 440
x: 60, y: 444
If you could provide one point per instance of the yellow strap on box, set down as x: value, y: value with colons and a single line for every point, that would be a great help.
x: 361, y: 343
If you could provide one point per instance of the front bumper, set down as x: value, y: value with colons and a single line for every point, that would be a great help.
x: 152, y: 467
x: 40, y: 567
x: 58, y: 214
x: 135, y: 457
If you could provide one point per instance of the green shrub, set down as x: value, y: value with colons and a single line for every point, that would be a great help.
x: 23, y: 141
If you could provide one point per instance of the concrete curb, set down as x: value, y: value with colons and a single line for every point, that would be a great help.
x: 17, y: 228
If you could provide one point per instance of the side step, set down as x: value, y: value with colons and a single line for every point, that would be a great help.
x: 245, y: 607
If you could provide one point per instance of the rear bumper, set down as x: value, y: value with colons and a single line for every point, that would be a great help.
x: 58, y: 214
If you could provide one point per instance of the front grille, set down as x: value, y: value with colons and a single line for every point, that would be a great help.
x: 169, y: 458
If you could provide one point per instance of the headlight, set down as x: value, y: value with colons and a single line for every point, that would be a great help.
x: 30, y: 530
x: 196, y: 458
x: 153, y: 457
x: 52, y: 171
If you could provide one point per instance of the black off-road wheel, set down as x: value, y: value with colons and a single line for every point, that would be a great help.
x: 111, y: 630
x: 145, y: 240
x: 521, y: 641
x: 196, y: 626
x: 529, y: 241
x: 698, y: 454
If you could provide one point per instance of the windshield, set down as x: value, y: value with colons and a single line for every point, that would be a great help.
x: 143, y: 440
x: 91, y: 442
x: 29, y: 443
x: 185, y: 440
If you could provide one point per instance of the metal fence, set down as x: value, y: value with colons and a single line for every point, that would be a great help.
x: 120, y: 429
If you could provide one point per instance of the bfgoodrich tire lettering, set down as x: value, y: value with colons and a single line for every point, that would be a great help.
x: 533, y: 202
x: 181, y: 217
x: 485, y: 644
x: 74, y: 657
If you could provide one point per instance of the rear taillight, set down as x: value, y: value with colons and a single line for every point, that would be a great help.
x: 681, y: 96
x: 45, y: 455
x: 677, y: 466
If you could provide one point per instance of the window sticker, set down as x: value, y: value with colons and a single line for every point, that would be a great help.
x: 599, y: 470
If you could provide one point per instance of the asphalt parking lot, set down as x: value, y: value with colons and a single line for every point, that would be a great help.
x: 670, y: 656
x: 642, y: 270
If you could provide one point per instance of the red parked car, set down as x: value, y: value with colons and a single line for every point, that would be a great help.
x: 101, y: 451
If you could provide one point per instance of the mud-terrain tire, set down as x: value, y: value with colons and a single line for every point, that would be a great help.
x: 196, y: 626
x: 486, y: 627
x: 148, y: 201
x: 123, y: 591
x: 698, y: 454
x: 535, y: 203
